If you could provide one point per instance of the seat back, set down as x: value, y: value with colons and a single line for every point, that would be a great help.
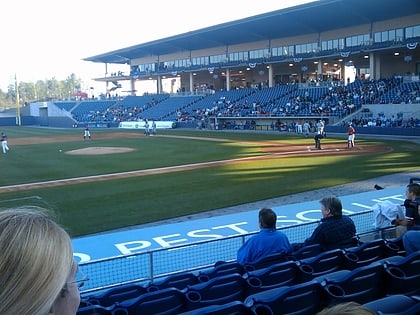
x: 364, y: 254
x: 321, y: 264
x: 220, y: 269
x: 117, y: 294
x: 305, y: 252
x: 281, y: 274
x: 95, y: 309
x: 360, y: 285
x: 266, y: 262
x: 179, y: 281
x: 403, y: 276
x: 219, y: 290
x: 300, y: 299
x: 169, y: 301
x: 231, y: 308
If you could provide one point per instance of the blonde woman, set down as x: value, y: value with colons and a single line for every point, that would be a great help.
x: 37, y: 268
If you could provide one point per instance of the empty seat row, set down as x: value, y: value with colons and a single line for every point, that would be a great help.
x: 390, y: 276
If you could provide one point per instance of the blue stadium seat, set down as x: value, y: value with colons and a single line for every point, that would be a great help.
x: 321, y: 264
x: 219, y: 290
x: 300, y: 299
x: 170, y: 301
x: 266, y: 262
x: 396, y: 304
x: 360, y: 285
x: 94, y: 309
x: 305, y: 252
x: 281, y: 274
x: 220, y: 268
x: 395, y: 246
x: 365, y: 254
x: 118, y: 294
x: 179, y: 281
x: 231, y: 308
x: 403, y: 276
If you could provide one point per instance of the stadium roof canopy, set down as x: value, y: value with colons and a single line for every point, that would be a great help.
x: 314, y: 17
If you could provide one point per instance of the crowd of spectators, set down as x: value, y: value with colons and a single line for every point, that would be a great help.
x: 291, y: 101
x: 382, y: 120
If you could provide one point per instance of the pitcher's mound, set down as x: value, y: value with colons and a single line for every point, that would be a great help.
x: 100, y: 150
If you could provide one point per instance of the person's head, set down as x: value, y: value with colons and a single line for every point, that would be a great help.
x: 37, y: 268
x: 413, y: 191
x: 331, y: 206
x: 267, y: 218
x: 347, y: 308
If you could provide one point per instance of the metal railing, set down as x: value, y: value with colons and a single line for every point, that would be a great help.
x: 147, y: 266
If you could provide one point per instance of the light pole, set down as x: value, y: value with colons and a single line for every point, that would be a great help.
x: 18, y: 120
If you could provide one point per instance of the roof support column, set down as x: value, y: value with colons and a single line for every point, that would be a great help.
x: 375, y: 66
x: 227, y: 79
x: 319, y: 70
x: 191, y: 83
x: 133, y: 86
x: 159, y: 84
x: 270, y: 76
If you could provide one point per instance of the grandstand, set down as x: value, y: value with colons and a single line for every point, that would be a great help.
x: 394, y: 102
x: 335, y: 69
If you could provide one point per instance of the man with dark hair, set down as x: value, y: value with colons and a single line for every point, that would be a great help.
x: 412, y: 205
x: 267, y: 242
x: 412, y: 208
x: 335, y: 229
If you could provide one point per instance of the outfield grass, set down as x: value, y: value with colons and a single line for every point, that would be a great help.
x: 94, y: 207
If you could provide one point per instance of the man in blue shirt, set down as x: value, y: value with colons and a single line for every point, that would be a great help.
x: 267, y: 242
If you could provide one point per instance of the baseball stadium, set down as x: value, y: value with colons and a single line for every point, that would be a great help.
x: 249, y: 114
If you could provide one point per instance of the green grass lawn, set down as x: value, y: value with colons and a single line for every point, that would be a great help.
x: 105, y: 205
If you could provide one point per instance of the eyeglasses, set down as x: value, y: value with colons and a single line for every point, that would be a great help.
x: 80, y: 279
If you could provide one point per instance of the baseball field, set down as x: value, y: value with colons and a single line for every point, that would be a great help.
x: 122, y: 178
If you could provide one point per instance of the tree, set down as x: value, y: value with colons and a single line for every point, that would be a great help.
x: 50, y: 89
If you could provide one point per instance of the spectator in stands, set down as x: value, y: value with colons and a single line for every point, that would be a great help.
x: 412, y: 208
x: 267, y: 242
x: 348, y: 308
x: 37, y: 268
x: 411, y: 241
x: 335, y: 229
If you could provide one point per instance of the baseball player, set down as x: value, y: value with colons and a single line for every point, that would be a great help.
x: 87, y: 133
x: 4, y: 143
x: 350, y: 132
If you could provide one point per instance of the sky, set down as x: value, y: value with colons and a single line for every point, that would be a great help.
x: 47, y: 39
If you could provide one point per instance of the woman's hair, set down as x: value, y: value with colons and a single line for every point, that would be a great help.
x: 333, y: 204
x: 35, y: 263
x: 348, y: 308
x: 267, y: 218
